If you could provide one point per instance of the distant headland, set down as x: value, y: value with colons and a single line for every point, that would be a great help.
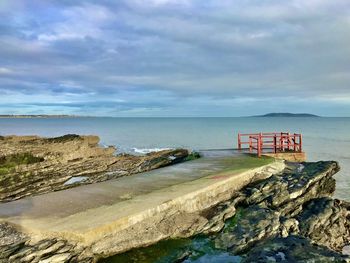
x: 37, y: 116
x: 287, y: 114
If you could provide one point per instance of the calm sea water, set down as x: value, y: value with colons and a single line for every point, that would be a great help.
x: 324, y: 138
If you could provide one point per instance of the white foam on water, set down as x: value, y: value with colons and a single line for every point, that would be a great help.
x: 300, y: 168
x: 148, y: 150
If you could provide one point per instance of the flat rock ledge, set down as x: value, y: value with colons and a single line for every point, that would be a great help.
x: 31, y: 165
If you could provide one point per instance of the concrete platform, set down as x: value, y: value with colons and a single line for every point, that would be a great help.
x: 106, y: 218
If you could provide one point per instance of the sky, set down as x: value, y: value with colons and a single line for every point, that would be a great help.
x: 167, y: 58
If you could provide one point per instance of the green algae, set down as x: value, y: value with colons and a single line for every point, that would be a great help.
x: 192, y: 156
x: 64, y: 138
x: 200, y: 248
x: 232, y: 222
x: 163, y: 251
x: 8, y: 163
x: 245, y: 162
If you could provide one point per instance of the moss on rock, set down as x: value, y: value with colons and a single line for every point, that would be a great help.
x: 64, y: 138
x: 9, y: 162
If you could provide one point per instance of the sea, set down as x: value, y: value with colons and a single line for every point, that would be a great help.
x: 323, y: 138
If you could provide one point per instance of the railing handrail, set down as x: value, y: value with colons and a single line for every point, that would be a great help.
x: 281, y: 142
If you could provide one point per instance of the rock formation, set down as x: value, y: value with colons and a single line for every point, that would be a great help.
x: 33, y: 165
x: 286, y: 214
x: 292, y: 249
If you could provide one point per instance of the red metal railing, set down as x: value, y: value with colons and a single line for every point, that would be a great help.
x: 271, y: 142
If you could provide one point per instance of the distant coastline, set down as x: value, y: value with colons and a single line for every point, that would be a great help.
x: 9, y: 116
x: 287, y: 114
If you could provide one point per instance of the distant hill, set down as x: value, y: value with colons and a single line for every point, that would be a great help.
x: 281, y: 114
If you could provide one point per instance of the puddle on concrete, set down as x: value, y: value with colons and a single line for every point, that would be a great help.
x: 76, y: 179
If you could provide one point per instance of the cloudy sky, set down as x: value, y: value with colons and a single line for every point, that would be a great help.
x: 174, y: 57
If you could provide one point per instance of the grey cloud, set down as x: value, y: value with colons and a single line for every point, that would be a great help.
x: 176, y: 49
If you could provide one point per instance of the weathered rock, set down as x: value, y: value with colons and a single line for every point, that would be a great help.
x: 17, y: 247
x: 326, y: 222
x: 292, y: 203
x: 33, y: 165
x: 292, y: 249
x: 289, y: 191
x: 252, y: 225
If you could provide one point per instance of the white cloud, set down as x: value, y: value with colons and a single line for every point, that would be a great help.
x: 5, y: 71
x: 78, y: 22
x: 148, y: 3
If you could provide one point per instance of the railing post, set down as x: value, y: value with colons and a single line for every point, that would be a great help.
x: 239, y: 142
x: 300, y: 142
x: 294, y: 143
x: 288, y: 141
x: 281, y: 142
x: 250, y: 144
x: 275, y: 143
x: 259, y: 145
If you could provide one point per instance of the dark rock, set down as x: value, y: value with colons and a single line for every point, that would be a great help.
x: 326, y: 222
x: 250, y: 226
x: 64, y: 138
x: 292, y: 249
x: 289, y: 191
x: 293, y: 203
x: 11, y: 240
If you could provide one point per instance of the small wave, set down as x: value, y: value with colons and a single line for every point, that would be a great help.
x: 148, y: 150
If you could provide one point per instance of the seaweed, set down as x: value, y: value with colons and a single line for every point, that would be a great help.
x: 192, y: 156
x: 9, y: 162
x: 64, y: 138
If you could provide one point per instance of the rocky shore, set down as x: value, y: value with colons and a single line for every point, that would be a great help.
x: 288, y: 216
x: 31, y: 165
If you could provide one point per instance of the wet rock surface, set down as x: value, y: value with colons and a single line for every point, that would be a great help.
x: 290, y: 218
x: 326, y: 222
x: 33, y: 165
x: 292, y: 249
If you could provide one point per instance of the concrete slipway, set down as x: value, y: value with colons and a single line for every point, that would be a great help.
x: 117, y: 215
